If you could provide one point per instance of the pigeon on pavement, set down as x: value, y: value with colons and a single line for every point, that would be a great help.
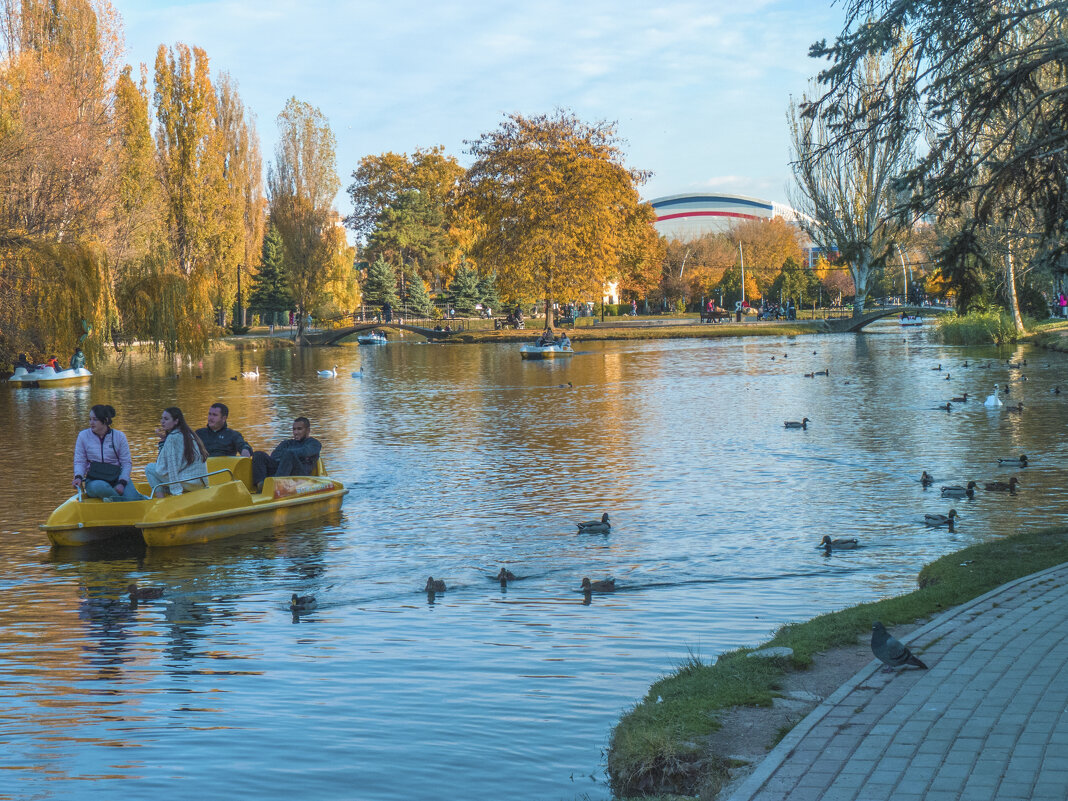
x: 890, y: 651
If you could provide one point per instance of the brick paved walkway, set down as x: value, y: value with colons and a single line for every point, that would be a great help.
x: 989, y: 720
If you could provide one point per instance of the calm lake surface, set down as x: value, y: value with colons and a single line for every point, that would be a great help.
x: 461, y: 459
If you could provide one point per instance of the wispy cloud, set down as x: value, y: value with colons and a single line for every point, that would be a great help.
x: 696, y: 86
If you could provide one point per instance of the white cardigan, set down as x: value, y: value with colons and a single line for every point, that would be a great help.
x: 171, y: 466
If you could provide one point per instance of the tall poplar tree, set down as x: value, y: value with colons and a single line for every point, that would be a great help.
x: 301, y: 185
x: 242, y: 207
x: 189, y: 148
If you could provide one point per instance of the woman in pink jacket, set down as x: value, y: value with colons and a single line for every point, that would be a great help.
x: 102, y: 461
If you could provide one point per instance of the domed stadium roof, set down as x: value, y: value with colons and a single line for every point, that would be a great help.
x: 691, y: 216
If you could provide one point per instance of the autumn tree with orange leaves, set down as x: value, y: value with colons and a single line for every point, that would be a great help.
x: 558, y: 211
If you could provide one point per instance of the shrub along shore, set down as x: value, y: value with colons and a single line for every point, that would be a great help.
x: 657, y: 748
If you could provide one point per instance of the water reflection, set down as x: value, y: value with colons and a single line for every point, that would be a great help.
x: 460, y: 461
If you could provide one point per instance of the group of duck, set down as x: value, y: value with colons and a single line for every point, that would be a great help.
x: 947, y: 520
x: 967, y: 491
x: 588, y: 587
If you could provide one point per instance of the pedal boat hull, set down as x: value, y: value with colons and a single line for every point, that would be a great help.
x: 224, y: 509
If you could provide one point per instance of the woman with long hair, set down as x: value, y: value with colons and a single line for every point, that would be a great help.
x: 102, y: 462
x: 181, y: 464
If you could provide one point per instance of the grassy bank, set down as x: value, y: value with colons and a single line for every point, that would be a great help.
x: 667, y: 331
x: 656, y: 748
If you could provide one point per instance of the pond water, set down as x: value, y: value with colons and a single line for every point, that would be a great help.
x: 460, y: 460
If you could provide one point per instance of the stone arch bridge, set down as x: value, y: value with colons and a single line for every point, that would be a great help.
x: 332, y: 336
x: 854, y: 324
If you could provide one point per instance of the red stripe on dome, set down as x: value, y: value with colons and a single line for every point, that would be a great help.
x: 709, y: 214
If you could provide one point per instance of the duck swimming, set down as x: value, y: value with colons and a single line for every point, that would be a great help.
x: 505, y: 576
x: 434, y: 585
x: 302, y: 603
x: 144, y: 593
x: 1001, y: 486
x: 941, y: 520
x: 1017, y: 408
x: 962, y: 399
x: 945, y: 407
x: 993, y: 401
x: 838, y: 545
x: 1021, y: 460
x: 608, y: 585
x: 926, y: 480
x: 826, y: 372
x: 795, y: 424
x: 601, y: 526
x: 960, y: 492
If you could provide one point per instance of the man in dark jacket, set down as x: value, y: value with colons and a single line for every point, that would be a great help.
x: 220, y: 439
x: 293, y: 457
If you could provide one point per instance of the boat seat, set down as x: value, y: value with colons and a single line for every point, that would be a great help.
x: 240, y: 466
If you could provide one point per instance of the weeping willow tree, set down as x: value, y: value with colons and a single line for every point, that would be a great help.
x: 58, y: 60
x: 52, y: 296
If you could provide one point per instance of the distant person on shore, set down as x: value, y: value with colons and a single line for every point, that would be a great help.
x: 77, y: 361
x: 297, y: 456
x: 218, y: 438
x: 181, y: 464
x: 102, y: 462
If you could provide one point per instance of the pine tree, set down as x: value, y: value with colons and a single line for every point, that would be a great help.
x: 380, y: 287
x: 269, y: 292
x: 464, y: 289
x: 416, y: 296
x: 487, y: 291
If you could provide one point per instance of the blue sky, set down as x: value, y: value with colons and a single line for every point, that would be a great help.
x: 699, y: 89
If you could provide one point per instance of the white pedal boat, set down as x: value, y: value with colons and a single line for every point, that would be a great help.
x: 49, y: 377
x: 553, y: 351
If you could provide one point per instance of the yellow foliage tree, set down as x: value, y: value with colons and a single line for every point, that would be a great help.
x: 302, y: 183
x: 58, y: 61
x: 555, y: 205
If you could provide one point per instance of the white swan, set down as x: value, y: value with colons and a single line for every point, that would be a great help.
x: 328, y: 373
x: 253, y: 373
x: 993, y: 401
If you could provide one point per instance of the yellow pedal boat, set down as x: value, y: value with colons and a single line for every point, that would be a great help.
x: 228, y: 506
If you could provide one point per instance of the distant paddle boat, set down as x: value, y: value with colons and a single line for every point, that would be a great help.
x: 910, y: 319
x: 46, y: 376
x: 554, y: 351
x: 372, y: 338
